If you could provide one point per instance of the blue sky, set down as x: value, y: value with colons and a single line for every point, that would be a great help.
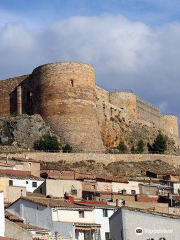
x: 132, y: 44
x: 153, y: 12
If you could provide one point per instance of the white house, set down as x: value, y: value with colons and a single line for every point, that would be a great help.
x: 2, y: 218
x: 19, y: 179
x: 131, y: 187
x: 66, y: 218
x: 138, y: 224
x: 102, y: 213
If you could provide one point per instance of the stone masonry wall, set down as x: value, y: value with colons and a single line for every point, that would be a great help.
x: 169, y: 123
x: 64, y: 95
x: 148, y: 112
x: 99, y: 158
x: 8, y: 95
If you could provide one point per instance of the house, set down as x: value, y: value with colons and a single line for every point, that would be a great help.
x: 102, y: 211
x: 19, y: 179
x: 15, y: 227
x: 172, y: 176
x: 60, y: 188
x: 2, y: 218
x: 27, y: 164
x: 130, y: 186
x: 70, y: 220
x: 175, y: 185
x: 137, y: 224
x: 148, y: 189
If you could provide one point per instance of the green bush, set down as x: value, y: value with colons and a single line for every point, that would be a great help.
x: 160, y: 145
x: 48, y: 143
x: 122, y: 147
x: 140, y: 147
x: 67, y: 148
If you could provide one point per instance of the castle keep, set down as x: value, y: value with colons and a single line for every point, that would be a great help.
x: 66, y: 96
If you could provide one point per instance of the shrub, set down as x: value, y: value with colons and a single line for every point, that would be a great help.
x: 122, y: 147
x: 67, y: 148
x: 48, y: 143
x: 140, y: 147
x: 160, y: 145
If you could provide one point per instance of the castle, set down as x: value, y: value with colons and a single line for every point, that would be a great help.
x: 66, y: 96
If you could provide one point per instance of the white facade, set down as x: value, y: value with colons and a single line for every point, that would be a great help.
x: 176, y: 187
x: 55, y: 219
x: 30, y: 184
x: 103, y: 220
x: 2, y: 218
x: 129, y: 187
x: 138, y: 225
x: 74, y: 216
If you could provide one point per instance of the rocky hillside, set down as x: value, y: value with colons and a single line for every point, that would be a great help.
x: 22, y: 131
x: 116, y: 129
x: 118, y: 169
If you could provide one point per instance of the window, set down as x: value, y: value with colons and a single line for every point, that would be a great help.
x: 107, y: 236
x: 171, y: 130
x: 81, y: 214
x: 133, y: 192
x: 29, y: 164
x: 34, y: 184
x: 72, y: 83
x: 93, y: 186
x: 74, y: 192
x: 29, y: 97
x: 26, y: 182
x: 10, y: 182
x: 105, y: 213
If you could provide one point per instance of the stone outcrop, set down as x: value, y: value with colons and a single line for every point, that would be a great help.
x: 22, y: 131
x: 116, y: 127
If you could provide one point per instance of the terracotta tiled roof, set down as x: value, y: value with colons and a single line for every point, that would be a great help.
x: 35, y: 195
x: 151, y: 212
x: 111, y: 179
x: 12, y: 217
x: 87, y: 224
x: 6, y: 238
x: 24, y: 160
x: 31, y: 227
x: 97, y: 205
x: 18, y: 174
x: 53, y: 202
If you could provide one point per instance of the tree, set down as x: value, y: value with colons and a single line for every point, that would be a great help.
x: 140, y: 146
x: 122, y: 147
x: 48, y: 143
x: 160, y: 145
x: 67, y: 148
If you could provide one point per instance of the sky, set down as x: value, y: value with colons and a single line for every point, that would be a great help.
x: 132, y: 44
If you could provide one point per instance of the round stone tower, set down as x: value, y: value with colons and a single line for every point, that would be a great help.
x: 169, y: 123
x: 64, y: 95
x: 125, y: 101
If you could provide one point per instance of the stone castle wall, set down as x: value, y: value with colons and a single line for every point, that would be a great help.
x: 148, y: 112
x: 125, y: 101
x: 8, y: 95
x: 66, y: 96
x: 170, y: 124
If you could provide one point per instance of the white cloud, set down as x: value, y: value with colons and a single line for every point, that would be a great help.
x: 124, y: 53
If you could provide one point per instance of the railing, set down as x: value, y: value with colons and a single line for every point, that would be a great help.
x: 114, y: 89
